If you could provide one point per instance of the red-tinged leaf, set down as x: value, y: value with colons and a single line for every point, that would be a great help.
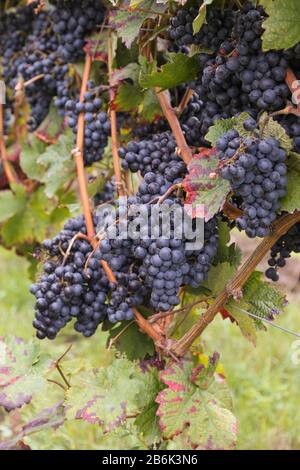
x: 51, y: 128
x: 206, y: 190
x: 106, y: 396
x: 225, y: 314
x: 128, y: 22
x: 129, y: 71
x: 95, y: 48
x: 22, y: 372
x: 51, y: 417
x: 196, y: 403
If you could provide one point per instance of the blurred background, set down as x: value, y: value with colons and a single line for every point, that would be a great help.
x: 265, y: 381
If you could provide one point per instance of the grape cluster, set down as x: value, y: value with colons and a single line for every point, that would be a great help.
x: 247, y: 30
x: 72, y: 284
x: 39, y: 49
x: 72, y: 21
x: 200, y: 261
x: 156, y: 154
x: 240, y: 76
x: 256, y: 170
x: 287, y: 244
x: 214, y: 31
x: 97, y: 125
x: 143, y: 130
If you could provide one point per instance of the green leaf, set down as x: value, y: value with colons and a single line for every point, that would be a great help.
x: 127, y: 23
x: 147, y: 421
x: 150, y: 107
x: 179, y: 69
x: 200, y: 18
x: 218, y: 277
x: 147, y: 424
x: 57, y: 163
x: 230, y: 253
x: 28, y: 159
x: 106, y: 396
x: 129, y: 71
x: 131, y: 342
x: 245, y: 323
x: 197, y: 402
x: 271, y: 128
x: 52, y: 125
x: 291, y: 202
x: 206, y: 190
x: 12, y: 203
x: 31, y: 222
x: 282, y: 25
x: 129, y: 97
x: 220, y: 127
x: 263, y: 299
x: 224, y: 125
x: 22, y: 372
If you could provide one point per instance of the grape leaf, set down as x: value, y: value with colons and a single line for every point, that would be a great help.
x: 245, y: 323
x: 147, y: 420
x: 131, y: 342
x: 271, y: 128
x: 12, y: 203
x: 197, y: 402
x: 28, y: 158
x: 128, y: 97
x: 22, y: 372
x: 282, y: 25
x: 200, y: 18
x: 51, y: 417
x: 291, y: 201
x: 150, y: 107
x: 206, y: 190
x: 127, y: 23
x: 218, y: 277
x: 220, y: 127
x: 129, y: 71
x: 230, y: 253
x: 263, y: 299
x: 31, y: 221
x: 106, y: 396
x: 52, y: 126
x: 179, y: 69
x: 57, y: 163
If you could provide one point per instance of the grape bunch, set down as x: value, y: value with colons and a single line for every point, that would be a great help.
x: 97, y: 124
x: 214, y: 31
x: 287, y: 244
x: 72, y: 21
x: 256, y: 170
x: 247, y: 30
x: 72, y: 285
x: 156, y: 154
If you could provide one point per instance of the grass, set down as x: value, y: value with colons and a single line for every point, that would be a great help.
x: 264, y: 381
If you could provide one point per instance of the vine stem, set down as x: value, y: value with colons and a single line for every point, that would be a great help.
x: 9, y: 172
x: 185, y: 101
x: 233, y: 288
x: 171, y: 116
x: 113, y: 125
x: 78, y: 153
